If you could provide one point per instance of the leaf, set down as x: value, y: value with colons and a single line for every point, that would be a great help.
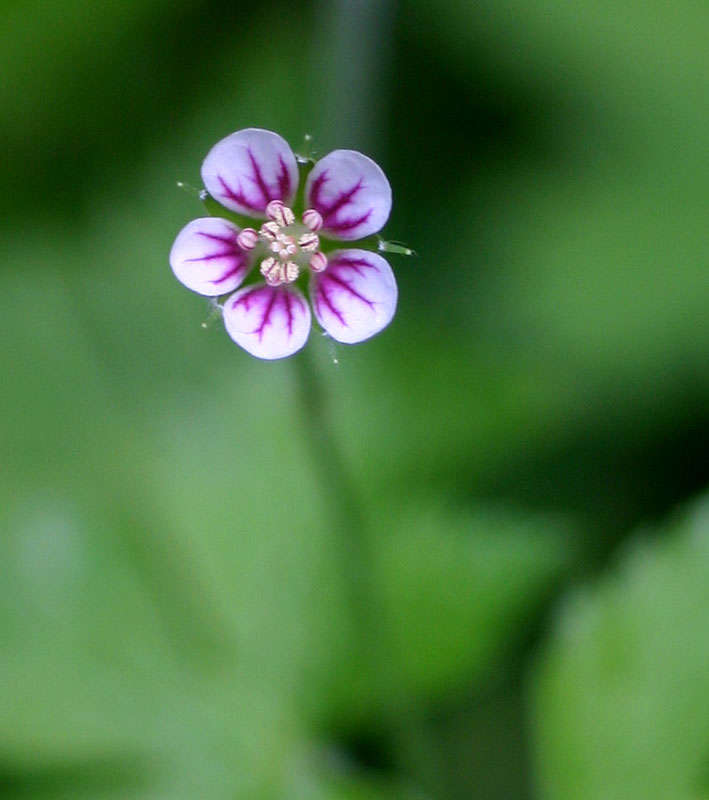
x: 452, y: 589
x: 621, y: 694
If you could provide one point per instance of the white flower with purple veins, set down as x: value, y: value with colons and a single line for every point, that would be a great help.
x: 346, y: 197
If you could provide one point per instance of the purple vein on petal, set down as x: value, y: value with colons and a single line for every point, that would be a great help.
x: 349, y: 224
x: 329, y: 211
x: 355, y: 263
x: 324, y: 296
x: 213, y: 236
x: 289, y: 312
x: 343, y: 199
x: 235, y: 196
x: 265, y: 319
x: 259, y: 180
x: 283, y: 180
x: 315, y: 190
x: 229, y: 274
x: 269, y: 308
x: 233, y: 251
x: 348, y: 287
x: 266, y: 192
x: 211, y: 256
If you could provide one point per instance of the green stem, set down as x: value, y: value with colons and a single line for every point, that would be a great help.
x: 348, y: 519
x: 393, y: 710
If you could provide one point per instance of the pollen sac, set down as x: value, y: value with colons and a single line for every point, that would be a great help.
x: 271, y: 271
x: 291, y: 271
x: 277, y: 272
x: 247, y: 239
x: 309, y: 242
x: 270, y: 230
x: 318, y: 262
x: 280, y: 213
x: 312, y: 219
x: 284, y: 245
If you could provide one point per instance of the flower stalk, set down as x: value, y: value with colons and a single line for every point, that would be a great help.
x: 345, y: 508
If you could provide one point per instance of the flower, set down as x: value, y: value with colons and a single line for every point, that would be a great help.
x: 346, y: 197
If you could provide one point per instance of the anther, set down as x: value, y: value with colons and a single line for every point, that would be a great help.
x: 290, y: 271
x: 312, y: 219
x: 269, y: 230
x: 309, y: 241
x: 272, y: 271
x: 284, y: 245
x: 247, y: 239
x: 280, y: 213
x: 318, y: 262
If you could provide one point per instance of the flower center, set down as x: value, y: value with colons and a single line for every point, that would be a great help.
x: 290, y: 245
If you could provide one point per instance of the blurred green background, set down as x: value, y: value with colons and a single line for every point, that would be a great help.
x: 526, y: 444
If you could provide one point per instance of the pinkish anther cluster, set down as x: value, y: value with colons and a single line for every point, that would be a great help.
x: 346, y: 198
x: 290, y: 244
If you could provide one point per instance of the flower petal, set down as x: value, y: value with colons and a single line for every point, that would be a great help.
x: 268, y: 321
x: 351, y: 193
x: 355, y: 297
x: 206, y: 257
x: 248, y: 169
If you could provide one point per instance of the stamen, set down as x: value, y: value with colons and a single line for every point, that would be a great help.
x: 269, y: 230
x: 280, y: 213
x: 247, y: 239
x: 280, y: 267
x: 284, y: 245
x: 291, y: 271
x: 318, y: 262
x: 272, y: 271
x: 309, y: 241
x: 312, y: 219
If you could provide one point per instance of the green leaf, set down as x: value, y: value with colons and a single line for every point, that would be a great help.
x: 621, y: 696
x: 458, y: 585
x: 452, y: 589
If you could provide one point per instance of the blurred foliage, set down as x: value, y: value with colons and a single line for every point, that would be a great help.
x: 622, y: 707
x: 174, y: 616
